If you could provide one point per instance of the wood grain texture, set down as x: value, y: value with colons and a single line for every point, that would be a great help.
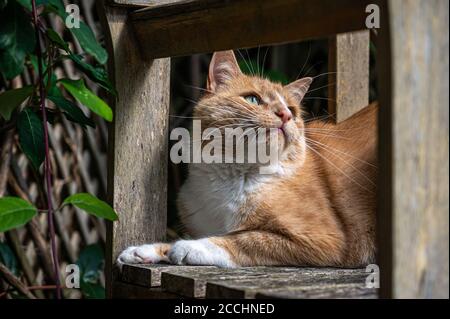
x: 193, y: 282
x: 250, y: 282
x: 150, y: 275
x: 414, y: 139
x: 123, y: 290
x: 292, y: 281
x: 335, y: 291
x: 138, y: 141
x: 348, y: 67
x: 146, y: 3
x: 174, y: 30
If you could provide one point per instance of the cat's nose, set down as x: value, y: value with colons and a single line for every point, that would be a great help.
x: 284, y: 115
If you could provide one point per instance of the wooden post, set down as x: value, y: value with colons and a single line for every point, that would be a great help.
x: 138, y: 143
x: 348, y: 64
x: 413, y: 215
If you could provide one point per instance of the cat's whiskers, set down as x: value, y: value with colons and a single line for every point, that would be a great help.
x: 188, y: 117
x: 312, y: 66
x: 305, y: 63
x: 264, y: 61
x: 319, y: 98
x: 328, y: 73
x: 341, y: 152
x: 240, y: 114
x: 347, y: 162
x: 245, y: 61
x: 330, y: 150
x: 337, y: 168
x: 333, y: 130
x: 250, y: 61
x: 322, y: 117
x: 215, y: 129
x: 231, y: 111
x: 253, y: 129
x: 228, y: 99
x: 257, y: 60
x: 322, y: 87
x: 324, y: 134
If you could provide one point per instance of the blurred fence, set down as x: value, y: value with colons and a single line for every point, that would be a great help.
x: 78, y: 160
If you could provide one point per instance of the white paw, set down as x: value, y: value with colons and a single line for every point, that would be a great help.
x: 145, y: 254
x: 199, y: 252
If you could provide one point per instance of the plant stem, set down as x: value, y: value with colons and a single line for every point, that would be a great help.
x: 47, y: 165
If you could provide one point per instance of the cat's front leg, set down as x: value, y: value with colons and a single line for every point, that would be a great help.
x: 183, y: 252
x: 144, y: 254
x: 199, y: 252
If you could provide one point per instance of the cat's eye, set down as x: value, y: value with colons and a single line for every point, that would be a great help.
x: 253, y: 99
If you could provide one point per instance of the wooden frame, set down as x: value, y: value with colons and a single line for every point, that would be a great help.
x: 413, y: 200
x: 413, y: 119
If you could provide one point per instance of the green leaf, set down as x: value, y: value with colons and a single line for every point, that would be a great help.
x: 16, y: 39
x: 8, y: 258
x: 96, y: 74
x: 92, y: 291
x: 27, y: 3
x: 31, y: 137
x: 91, y: 261
x: 88, y: 98
x: 11, y: 99
x: 15, y: 212
x: 55, y: 38
x: 87, y: 41
x: 72, y: 111
x: 57, y: 6
x: 34, y: 63
x: 92, y: 205
x: 84, y: 34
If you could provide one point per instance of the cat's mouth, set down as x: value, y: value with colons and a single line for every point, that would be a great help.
x: 283, y: 132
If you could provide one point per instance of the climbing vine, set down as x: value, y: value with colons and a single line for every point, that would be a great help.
x: 25, y: 41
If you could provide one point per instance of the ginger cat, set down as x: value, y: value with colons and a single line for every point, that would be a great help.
x: 318, y: 208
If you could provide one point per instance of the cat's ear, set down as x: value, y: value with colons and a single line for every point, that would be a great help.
x: 222, y: 68
x: 298, y: 89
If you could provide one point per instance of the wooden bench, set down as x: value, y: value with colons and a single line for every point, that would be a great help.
x: 412, y: 60
x: 248, y: 282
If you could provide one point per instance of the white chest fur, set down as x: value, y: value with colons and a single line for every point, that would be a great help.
x: 212, y: 198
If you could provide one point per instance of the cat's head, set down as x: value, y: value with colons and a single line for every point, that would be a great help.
x: 234, y: 99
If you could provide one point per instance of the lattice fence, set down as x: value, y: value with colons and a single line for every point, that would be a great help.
x: 78, y: 158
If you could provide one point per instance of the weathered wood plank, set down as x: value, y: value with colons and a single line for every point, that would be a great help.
x: 142, y: 275
x: 138, y: 142
x: 150, y: 275
x: 414, y: 139
x: 248, y: 282
x: 280, y: 281
x: 348, y: 79
x: 192, y: 282
x: 335, y: 291
x: 174, y: 30
x: 146, y: 3
x: 123, y: 290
